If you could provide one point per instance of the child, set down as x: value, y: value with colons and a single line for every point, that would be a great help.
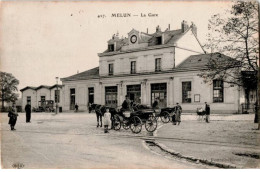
x: 107, y: 121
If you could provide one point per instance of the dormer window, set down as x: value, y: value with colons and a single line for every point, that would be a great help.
x: 111, y: 47
x: 159, y: 40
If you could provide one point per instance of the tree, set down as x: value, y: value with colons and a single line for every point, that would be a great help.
x: 235, y: 34
x: 8, y: 85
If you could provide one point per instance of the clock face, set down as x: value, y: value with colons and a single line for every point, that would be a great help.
x: 133, y: 39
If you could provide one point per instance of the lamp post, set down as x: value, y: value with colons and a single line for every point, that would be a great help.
x: 57, y: 79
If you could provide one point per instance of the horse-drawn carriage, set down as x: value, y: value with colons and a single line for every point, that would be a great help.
x: 134, y: 119
x: 140, y: 114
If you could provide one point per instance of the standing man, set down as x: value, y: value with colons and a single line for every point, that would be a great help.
x: 126, y: 105
x: 76, y: 107
x: 12, y: 117
x: 28, y: 113
x: 207, y: 110
x: 178, y: 114
x: 156, y: 103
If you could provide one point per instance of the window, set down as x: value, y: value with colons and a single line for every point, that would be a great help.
x: 159, y: 90
x: 159, y: 40
x: 133, y: 67
x: 28, y: 99
x: 42, y: 98
x: 218, y: 87
x: 42, y: 103
x: 57, y: 96
x: 186, y: 92
x: 111, y: 96
x: 111, y: 69
x: 158, y: 64
x: 111, y: 47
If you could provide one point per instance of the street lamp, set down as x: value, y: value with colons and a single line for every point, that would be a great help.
x: 57, y: 80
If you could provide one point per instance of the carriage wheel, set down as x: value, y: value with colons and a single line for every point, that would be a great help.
x: 165, y: 117
x: 151, y: 125
x: 117, y: 124
x: 125, y: 126
x: 136, y: 124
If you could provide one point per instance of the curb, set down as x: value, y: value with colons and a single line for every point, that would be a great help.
x: 190, y: 158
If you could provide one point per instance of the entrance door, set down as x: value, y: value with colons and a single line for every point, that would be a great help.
x: 111, y: 96
x: 159, y: 90
x: 72, y: 99
x: 134, y: 93
x: 91, y: 95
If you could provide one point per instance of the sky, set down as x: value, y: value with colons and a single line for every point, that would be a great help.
x: 43, y: 40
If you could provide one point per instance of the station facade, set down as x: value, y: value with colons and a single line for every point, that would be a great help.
x: 164, y: 64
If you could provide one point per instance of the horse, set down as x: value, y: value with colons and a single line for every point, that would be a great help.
x: 92, y: 107
x: 99, y: 114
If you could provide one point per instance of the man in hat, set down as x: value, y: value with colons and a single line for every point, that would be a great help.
x: 207, y: 110
x: 126, y: 105
x: 28, y: 113
x: 156, y: 103
x: 12, y: 117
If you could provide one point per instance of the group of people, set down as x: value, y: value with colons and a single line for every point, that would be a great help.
x: 13, y: 114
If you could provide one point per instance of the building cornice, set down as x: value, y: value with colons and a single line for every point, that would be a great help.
x: 136, y: 50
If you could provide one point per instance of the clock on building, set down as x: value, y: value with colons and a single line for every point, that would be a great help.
x: 133, y: 39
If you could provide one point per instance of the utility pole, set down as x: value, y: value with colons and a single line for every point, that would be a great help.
x: 57, y: 98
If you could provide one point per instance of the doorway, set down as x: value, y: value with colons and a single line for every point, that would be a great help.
x: 159, y: 91
x: 72, y: 99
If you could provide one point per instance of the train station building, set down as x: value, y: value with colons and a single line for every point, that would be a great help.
x: 163, y: 64
x: 38, y: 96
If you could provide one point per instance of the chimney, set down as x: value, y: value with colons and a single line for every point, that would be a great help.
x: 184, y: 26
x: 158, y: 29
x: 194, y: 29
x: 169, y: 27
x: 147, y: 30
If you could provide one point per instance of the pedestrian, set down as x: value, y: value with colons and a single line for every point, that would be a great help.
x: 156, y: 103
x: 12, y: 114
x: 107, y: 121
x: 126, y: 105
x: 178, y: 114
x: 76, y: 107
x: 89, y: 107
x: 207, y: 111
x: 28, y: 113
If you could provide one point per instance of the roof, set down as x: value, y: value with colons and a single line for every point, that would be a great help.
x: 202, y: 60
x: 170, y: 38
x: 194, y: 62
x: 28, y: 87
x: 88, y: 74
x: 42, y: 86
x: 56, y: 85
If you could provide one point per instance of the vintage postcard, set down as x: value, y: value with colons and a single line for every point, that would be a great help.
x: 129, y: 84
